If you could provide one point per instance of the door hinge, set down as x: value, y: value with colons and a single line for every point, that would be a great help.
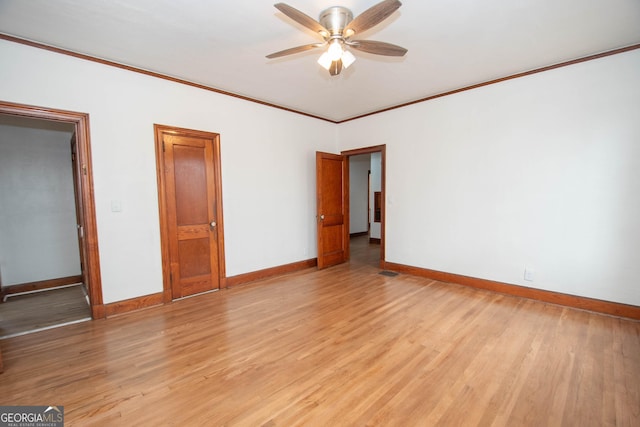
x: 84, y: 169
x: 163, y: 147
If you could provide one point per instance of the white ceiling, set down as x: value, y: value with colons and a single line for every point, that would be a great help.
x: 222, y: 44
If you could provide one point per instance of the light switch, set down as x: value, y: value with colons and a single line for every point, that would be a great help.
x: 528, y: 274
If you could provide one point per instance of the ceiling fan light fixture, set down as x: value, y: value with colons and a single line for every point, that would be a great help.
x: 330, y: 57
x: 347, y: 59
x: 335, y: 50
x: 325, y: 61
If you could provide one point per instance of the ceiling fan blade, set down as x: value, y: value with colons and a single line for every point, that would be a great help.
x: 373, y: 16
x: 336, y: 67
x: 293, y: 50
x: 301, y: 18
x: 378, y: 48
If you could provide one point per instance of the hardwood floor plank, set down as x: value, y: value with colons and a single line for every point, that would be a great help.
x: 343, y: 346
x: 626, y: 360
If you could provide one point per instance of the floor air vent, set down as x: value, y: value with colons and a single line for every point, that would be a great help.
x: 388, y: 273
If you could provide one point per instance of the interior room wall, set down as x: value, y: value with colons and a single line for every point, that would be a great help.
x: 540, y: 172
x: 268, y: 163
x: 38, y: 239
x: 358, y: 193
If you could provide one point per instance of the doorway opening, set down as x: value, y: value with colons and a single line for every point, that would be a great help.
x: 366, y: 207
x: 332, y: 205
x: 56, y: 231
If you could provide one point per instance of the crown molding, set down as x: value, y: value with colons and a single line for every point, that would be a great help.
x: 268, y: 104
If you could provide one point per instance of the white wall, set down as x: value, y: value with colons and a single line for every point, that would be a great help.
x: 540, y: 172
x: 38, y: 239
x: 268, y: 163
x: 358, y: 193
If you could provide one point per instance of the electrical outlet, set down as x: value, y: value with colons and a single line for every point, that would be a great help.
x: 529, y: 274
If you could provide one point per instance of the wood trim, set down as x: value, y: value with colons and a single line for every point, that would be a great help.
x: 574, y: 301
x: 382, y: 149
x: 40, y: 285
x: 164, y: 222
x: 153, y: 74
x: 133, y: 304
x: 361, y: 233
x: 159, y: 131
x: 268, y: 104
x: 217, y: 170
x: 92, y: 278
x: 346, y: 185
x: 364, y: 150
x: 501, y: 79
x: 375, y: 240
x: 270, y: 272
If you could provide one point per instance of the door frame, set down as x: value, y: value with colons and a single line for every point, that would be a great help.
x: 86, y: 199
x: 159, y: 131
x: 382, y: 149
x: 78, y: 201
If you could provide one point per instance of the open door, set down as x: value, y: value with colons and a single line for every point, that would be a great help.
x: 332, y: 193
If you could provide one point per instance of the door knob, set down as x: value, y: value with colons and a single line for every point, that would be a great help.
x: 321, y: 217
x: 212, y: 225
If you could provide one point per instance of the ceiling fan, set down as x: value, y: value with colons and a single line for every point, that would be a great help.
x: 337, y: 27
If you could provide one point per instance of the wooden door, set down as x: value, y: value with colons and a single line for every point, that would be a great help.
x: 332, y: 192
x: 192, y: 210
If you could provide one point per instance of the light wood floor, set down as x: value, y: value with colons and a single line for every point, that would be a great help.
x: 344, y: 346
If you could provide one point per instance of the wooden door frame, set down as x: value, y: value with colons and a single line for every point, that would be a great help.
x: 159, y: 131
x: 75, y: 162
x: 369, y: 200
x: 382, y: 149
x: 86, y: 194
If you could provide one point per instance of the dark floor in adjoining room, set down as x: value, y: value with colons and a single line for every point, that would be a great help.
x: 46, y: 309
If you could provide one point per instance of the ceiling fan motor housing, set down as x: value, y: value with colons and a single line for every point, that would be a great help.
x: 335, y: 19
